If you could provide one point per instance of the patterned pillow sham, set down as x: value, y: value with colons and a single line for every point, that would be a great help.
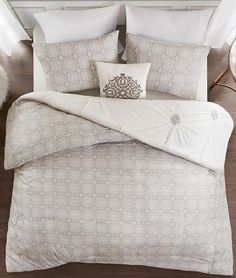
x: 70, y: 67
x: 127, y: 81
x: 175, y: 68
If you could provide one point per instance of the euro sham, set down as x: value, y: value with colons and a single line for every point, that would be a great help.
x: 172, y: 26
x: 73, y: 25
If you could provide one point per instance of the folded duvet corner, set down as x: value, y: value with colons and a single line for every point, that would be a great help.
x: 196, y: 131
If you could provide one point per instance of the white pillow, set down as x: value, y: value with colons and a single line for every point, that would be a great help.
x: 170, y: 26
x: 122, y: 81
x: 69, y: 26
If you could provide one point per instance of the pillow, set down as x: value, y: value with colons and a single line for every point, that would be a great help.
x: 170, y: 26
x: 70, y: 67
x: 122, y: 81
x: 68, y: 25
x: 175, y: 68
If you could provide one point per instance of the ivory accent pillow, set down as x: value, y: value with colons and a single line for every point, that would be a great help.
x: 175, y: 68
x: 70, y: 67
x: 123, y: 81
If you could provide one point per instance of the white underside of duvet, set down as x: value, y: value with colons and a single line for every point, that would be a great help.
x: 189, y: 129
x: 117, y: 181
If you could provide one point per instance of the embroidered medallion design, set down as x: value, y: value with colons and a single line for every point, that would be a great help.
x: 122, y: 86
x: 175, y: 119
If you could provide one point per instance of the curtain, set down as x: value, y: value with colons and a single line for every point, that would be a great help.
x: 11, y: 30
x: 222, y: 26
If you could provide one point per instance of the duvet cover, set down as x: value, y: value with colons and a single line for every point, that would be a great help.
x: 100, y: 180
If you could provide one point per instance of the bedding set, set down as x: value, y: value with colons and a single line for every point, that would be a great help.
x: 133, y: 175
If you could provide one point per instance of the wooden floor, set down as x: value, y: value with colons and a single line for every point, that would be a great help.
x: 19, y: 67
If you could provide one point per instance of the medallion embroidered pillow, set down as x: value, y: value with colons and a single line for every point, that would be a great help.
x: 175, y: 68
x: 70, y: 67
x: 126, y: 81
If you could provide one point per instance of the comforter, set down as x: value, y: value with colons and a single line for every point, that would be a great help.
x: 117, y: 181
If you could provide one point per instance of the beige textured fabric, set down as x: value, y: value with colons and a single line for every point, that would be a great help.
x: 70, y: 67
x: 76, y: 200
x: 175, y: 68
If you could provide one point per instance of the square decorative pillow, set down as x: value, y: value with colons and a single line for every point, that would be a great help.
x: 123, y: 81
x: 175, y: 68
x: 70, y: 67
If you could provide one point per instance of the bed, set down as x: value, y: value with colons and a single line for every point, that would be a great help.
x: 137, y: 182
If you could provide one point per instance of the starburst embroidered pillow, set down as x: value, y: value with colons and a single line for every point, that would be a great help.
x: 122, y: 81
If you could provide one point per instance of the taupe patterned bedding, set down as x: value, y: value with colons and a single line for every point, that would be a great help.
x: 87, y: 193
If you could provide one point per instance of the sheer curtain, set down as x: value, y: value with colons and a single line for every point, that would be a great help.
x: 11, y: 30
x: 222, y: 27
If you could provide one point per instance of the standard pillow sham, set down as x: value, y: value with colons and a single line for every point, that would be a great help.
x: 70, y: 67
x: 175, y: 68
x: 69, y: 25
x: 126, y: 81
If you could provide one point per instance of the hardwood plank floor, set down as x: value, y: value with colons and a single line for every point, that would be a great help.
x: 19, y: 67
